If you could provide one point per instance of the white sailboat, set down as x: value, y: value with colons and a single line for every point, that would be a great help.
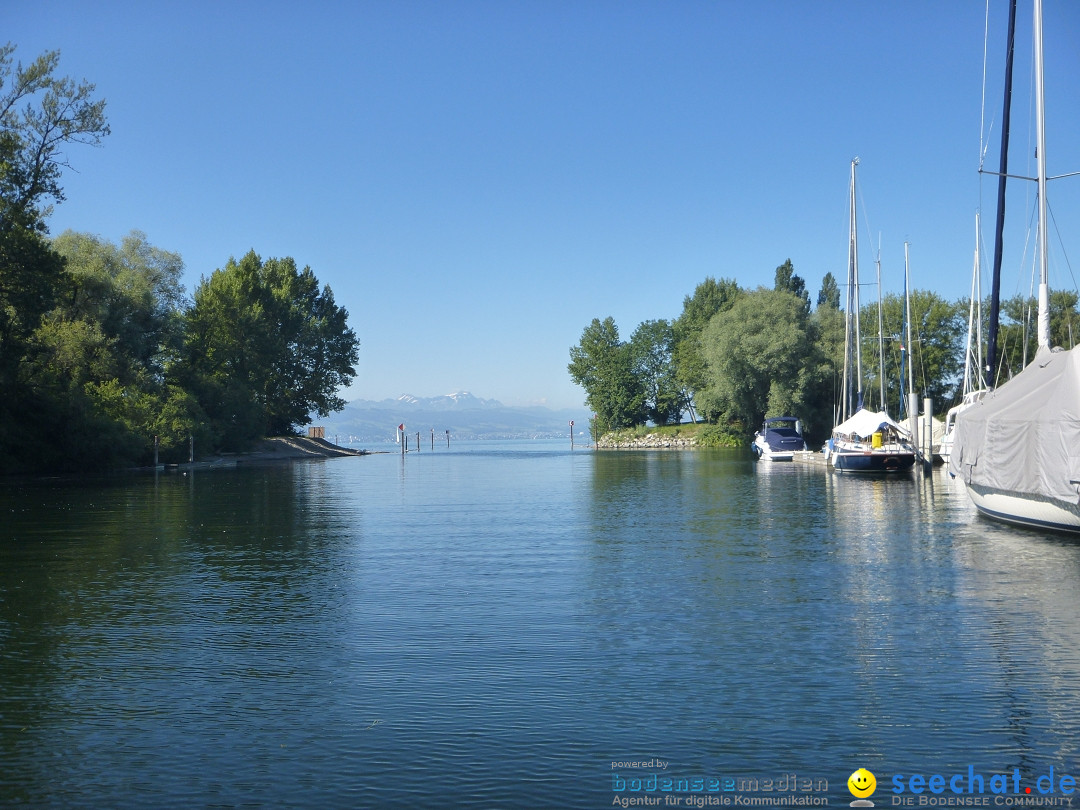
x: 863, y: 440
x: 1018, y: 450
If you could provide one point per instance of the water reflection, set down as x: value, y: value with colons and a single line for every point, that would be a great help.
x: 491, y: 629
x: 132, y: 605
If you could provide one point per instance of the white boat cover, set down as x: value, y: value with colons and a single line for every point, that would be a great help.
x: 864, y: 423
x: 1024, y: 437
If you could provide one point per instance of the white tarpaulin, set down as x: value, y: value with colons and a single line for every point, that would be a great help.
x: 865, y: 423
x: 1024, y: 437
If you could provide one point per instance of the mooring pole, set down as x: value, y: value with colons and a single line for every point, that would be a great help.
x: 191, y: 450
x: 448, y: 440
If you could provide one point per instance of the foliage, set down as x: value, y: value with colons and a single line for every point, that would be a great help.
x: 98, y: 358
x: 756, y: 354
x: 651, y: 346
x: 1017, y: 338
x: 829, y: 295
x: 787, y: 280
x: 720, y: 436
x: 40, y: 114
x: 265, y: 348
x: 96, y: 363
x: 938, y: 330
x: 710, y: 297
x: 604, y: 366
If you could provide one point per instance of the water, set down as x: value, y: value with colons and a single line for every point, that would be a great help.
x: 493, y: 626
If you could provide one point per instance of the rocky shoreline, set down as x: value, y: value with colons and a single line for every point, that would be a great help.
x: 650, y: 442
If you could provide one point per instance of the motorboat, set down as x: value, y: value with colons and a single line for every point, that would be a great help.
x: 779, y: 439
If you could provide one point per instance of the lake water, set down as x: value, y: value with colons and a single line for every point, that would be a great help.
x: 495, y: 625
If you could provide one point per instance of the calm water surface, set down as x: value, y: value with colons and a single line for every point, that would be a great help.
x: 493, y: 626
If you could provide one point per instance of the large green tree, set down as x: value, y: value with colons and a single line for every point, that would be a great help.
x: 41, y: 115
x: 603, y: 365
x: 652, y: 345
x: 98, y: 359
x: 758, y: 354
x: 266, y: 348
x: 937, y: 330
x: 710, y: 297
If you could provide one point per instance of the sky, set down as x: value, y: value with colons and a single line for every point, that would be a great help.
x: 476, y: 181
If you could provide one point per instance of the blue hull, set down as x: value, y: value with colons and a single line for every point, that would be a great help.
x: 874, y: 462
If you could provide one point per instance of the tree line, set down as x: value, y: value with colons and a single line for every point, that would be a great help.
x: 735, y: 356
x: 103, y: 355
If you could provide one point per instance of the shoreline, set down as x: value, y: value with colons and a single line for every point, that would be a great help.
x: 276, y: 448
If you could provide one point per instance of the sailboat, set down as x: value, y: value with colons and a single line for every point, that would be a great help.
x: 972, y: 389
x: 864, y: 440
x: 1018, y: 450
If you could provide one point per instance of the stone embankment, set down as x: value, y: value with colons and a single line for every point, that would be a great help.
x: 650, y: 442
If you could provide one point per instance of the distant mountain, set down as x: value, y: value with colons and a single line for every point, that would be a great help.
x: 461, y: 401
x: 464, y: 415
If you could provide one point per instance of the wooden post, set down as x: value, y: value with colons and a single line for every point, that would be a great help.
x: 571, y: 434
x: 191, y: 450
x: 155, y: 450
x: 448, y: 440
x: 433, y: 440
x: 418, y: 441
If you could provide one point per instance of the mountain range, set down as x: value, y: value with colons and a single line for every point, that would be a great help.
x: 464, y: 415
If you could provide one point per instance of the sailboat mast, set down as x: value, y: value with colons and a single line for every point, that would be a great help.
x: 1040, y: 161
x: 880, y: 333
x: 913, y: 411
x: 978, y: 296
x: 853, y: 262
x: 1003, y: 169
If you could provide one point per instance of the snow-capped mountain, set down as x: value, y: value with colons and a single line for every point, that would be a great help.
x: 462, y: 400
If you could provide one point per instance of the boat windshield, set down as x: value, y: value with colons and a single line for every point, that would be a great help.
x: 780, y: 430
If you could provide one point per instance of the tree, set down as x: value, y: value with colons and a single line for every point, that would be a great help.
x: 787, y: 280
x: 58, y: 112
x: 96, y: 363
x: 829, y: 295
x: 1017, y: 339
x: 651, y: 346
x: 604, y: 366
x: 40, y: 115
x: 758, y: 353
x: 710, y: 297
x: 265, y: 348
x: 938, y: 329
x: 825, y: 368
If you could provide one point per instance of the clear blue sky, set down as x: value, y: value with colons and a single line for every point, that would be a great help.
x: 476, y: 181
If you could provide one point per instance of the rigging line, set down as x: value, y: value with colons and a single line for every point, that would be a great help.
x: 916, y: 320
x: 1061, y: 244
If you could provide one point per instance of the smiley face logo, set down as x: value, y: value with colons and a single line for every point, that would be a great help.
x: 862, y: 783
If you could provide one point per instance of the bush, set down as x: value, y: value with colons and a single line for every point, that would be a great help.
x: 717, y: 436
